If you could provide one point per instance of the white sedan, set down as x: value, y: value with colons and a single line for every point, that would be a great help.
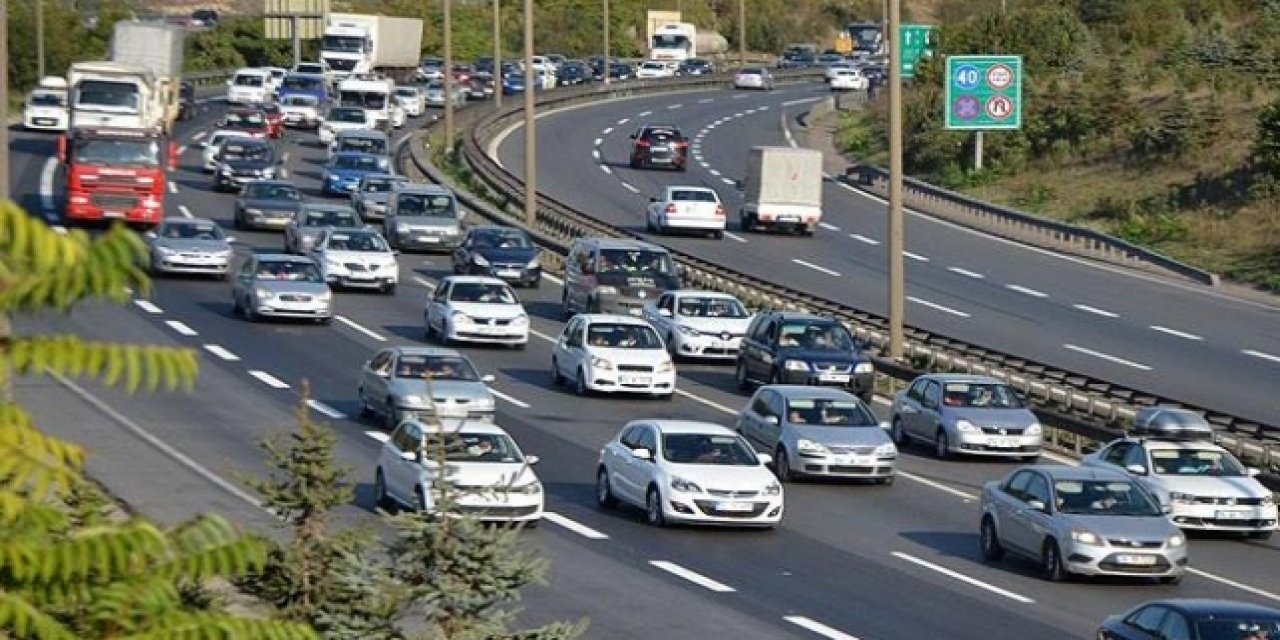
x: 612, y: 353
x: 832, y: 71
x: 848, y: 79
x: 412, y: 100
x: 686, y: 208
x: 699, y: 324
x: 476, y: 309
x: 357, y: 258
x: 654, y: 69
x: 488, y: 476
x: 753, y: 78
x: 688, y: 472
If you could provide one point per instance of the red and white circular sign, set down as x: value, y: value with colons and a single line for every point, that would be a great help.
x: 999, y: 107
x: 1000, y: 77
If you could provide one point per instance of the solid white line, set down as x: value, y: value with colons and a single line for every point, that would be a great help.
x: 597, y: 142
x: 1175, y: 332
x: 862, y: 238
x: 148, y: 306
x: 1109, y: 358
x: 46, y: 185
x: 1232, y: 583
x: 576, y: 527
x: 736, y: 115
x: 181, y: 327
x: 735, y: 237
x: 818, y: 628
x: 965, y: 272
x: 628, y: 187
x: 173, y: 187
x: 553, y: 278
x: 424, y: 282
x: 1096, y: 311
x: 816, y: 267
x: 915, y: 256
x: 675, y: 106
x: 644, y: 113
x: 354, y: 325
x: 605, y: 168
x: 186, y: 213
x: 963, y: 578
x: 790, y: 103
x: 1021, y: 289
x: 606, y: 131
x: 936, y: 485
x: 710, y: 403
x: 269, y: 380
x: 691, y: 576
x: 706, y: 101
x: 1259, y: 354
x: 326, y: 409
x: 378, y: 435
x: 934, y: 305
x: 727, y: 181
x: 199, y: 135
x: 828, y: 226
x: 221, y: 352
x: 502, y: 396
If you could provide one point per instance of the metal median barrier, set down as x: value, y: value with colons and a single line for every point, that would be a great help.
x: 1079, y: 410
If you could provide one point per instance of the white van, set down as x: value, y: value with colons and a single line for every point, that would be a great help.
x: 249, y: 86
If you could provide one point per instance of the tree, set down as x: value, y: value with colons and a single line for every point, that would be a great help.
x: 72, y: 575
x: 1266, y: 143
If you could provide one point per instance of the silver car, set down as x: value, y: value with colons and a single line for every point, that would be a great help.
x: 304, y: 229
x: 399, y: 383
x: 435, y: 94
x: 966, y: 414
x: 370, y: 196
x: 281, y: 286
x: 818, y: 431
x: 423, y: 217
x: 189, y: 245
x: 1080, y: 520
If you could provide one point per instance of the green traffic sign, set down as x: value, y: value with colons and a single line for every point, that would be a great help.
x: 983, y: 92
x: 917, y: 42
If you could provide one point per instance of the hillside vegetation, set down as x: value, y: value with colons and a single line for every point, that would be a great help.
x: 1154, y: 120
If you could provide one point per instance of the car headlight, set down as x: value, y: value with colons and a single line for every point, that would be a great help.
x: 1176, y: 497
x: 263, y: 294
x: 410, y: 399
x: 532, y: 264
x: 665, y: 367
x: 601, y: 363
x: 458, y: 316
x: 166, y: 251
x: 253, y: 212
x: 964, y: 426
x: 773, y: 489
x: 688, y: 331
x: 886, y: 449
x: 267, y: 173
x: 1033, y: 430
x: 806, y: 445
x: 864, y: 367
x: 520, y: 320
x: 531, y: 489
x: 1267, y: 500
x: 390, y: 266
x: 325, y: 297
x: 796, y: 365
x: 684, y: 486
x: 479, y: 260
x: 607, y: 290
x: 225, y: 170
x: 1176, y: 540
x: 1085, y: 537
x: 222, y: 253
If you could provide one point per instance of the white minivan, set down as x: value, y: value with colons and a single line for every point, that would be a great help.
x: 249, y: 86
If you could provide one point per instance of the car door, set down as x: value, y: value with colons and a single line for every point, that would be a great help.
x: 908, y: 405
x: 664, y: 324
x: 1032, y: 523
x: 929, y: 417
x: 438, y: 306
x: 567, y: 348
x: 768, y: 432
x: 617, y: 457
x: 374, y: 376
x: 748, y: 419
x: 244, y: 281
x: 392, y: 460
x: 759, y: 359
x: 639, y: 471
x: 407, y: 468
x: 573, y: 277
x: 1008, y: 502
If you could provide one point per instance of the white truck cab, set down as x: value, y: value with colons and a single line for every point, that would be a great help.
x: 376, y: 95
x: 250, y: 86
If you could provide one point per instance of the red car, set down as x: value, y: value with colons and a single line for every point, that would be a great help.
x: 275, y: 120
x: 251, y: 121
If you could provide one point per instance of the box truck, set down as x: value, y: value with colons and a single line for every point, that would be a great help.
x: 782, y: 190
x: 362, y: 44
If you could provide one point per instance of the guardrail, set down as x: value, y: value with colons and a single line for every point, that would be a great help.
x: 1083, y: 410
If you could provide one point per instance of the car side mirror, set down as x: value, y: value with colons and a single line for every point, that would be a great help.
x: 202, y: 144
x: 666, y: 313
x: 488, y: 377
x: 1253, y: 472
x: 412, y: 456
x: 232, y: 240
x: 886, y: 425
x: 531, y: 460
x: 773, y: 420
x: 1136, y: 469
x: 1166, y: 508
x: 765, y: 459
x: 152, y: 235
x: 1038, y: 506
x: 642, y: 454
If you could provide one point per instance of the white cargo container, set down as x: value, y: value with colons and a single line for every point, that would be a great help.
x: 782, y: 190
x: 360, y: 44
x: 158, y: 48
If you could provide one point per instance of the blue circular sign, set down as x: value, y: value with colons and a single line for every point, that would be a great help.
x: 966, y: 107
x: 967, y: 77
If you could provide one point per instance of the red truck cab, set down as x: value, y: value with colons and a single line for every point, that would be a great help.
x: 116, y: 174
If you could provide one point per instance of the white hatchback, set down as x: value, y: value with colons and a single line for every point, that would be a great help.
x: 476, y: 309
x: 613, y: 353
x: 687, y: 209
x: 848, y: 79
x: 488, y: 476
x: 654, y: 69
x: 699, y: 324
x: 686, y: 471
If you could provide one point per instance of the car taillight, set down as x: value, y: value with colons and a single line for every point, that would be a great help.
x: 719, y: 211
x: 671, y: 208
x: 642, y: 143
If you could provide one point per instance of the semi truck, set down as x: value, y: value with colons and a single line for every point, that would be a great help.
x: 782, y: 190
x: 361, y: 44
x: 116, y: 173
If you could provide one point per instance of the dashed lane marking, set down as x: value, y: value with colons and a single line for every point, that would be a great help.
x: 727, y: 181
x: 675, y: 106
x: 706, y: 101
x: 692, y: 576
x: 1021, y: 289
x: 963, y: 578
x: 915, y: 256
x: 181, y: 327
x: 424, y: 282
x: 710, y: 403
x: 269, y: 380
x: 933, y: 305
x: 199, y: 135
x: 148, y: 306
x: 553, y: 278
x: 828, y: 226
x: 221, y: 352
x: 502, y: 396
x: 355, y: 325
x: 186, y: 213
x: 605, y: 168
x: 791, y: 103
x: 966, y: 273
x: 967, y: 497
x: 1109, y: 358
x: 1232, y: 583
x: 598, y: 142
x: 816, y: 267
x: 861, y: 238
x: 818, y: 628
x: 624, y: 121
x: 1259, y: 354
x: 714, y: 172
x: 595, y: 155
x: 628, y: 187
x: 644, y: 113
x: 173, y: 187
x: 606, y: 131
x: 1174, y: 332
x: 326, y: 409
x: 735, y: 237
x: 1096, y: 311
x: 574, y: 526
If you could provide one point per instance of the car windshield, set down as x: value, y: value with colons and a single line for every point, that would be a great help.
x: 271, y: 192
x: 143, y: 152
x: 107, y: 94
x: 301, y: 101
x: 980, y: 395
x: 710, y: 307
x: 375, y: 146
x: 1103, y: 498
x: 290, y: 270
x: 47, y: 100
x: 218, y: 139
x: 636, y: 262
x: 421, y: 204
x: 369, y: 241
x: 303, y: 83
x: 340, y: 218
x: 482, y: 292
x: 827, y: 336
x: 501, y: 240
x: 435, y: 367
x: 707, y: 448
x: 245, y: 152
x: 653, y: 65
x: 367, y: 99
x: 366, y: 163
x: 244, y: 120
x: 353, y: 114
x: 693, y: 195
x: 471, y: 447
x: 248, y: 80
x: 623, y: 336
x: 752, y: 72
x: 407, y: 92
x: 1196, y: 462
x: 343, y: 44
x: 190, y: 231
x: 829, y: 412
x: 1229, y: 628
x: 380, y: 185
x: 309, y: 68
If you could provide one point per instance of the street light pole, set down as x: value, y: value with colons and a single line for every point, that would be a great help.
x: 448, y: 77
x: 530, y: 124
x: 742, y: 32
x: 39, y: 40
x: 605, y: 64
x: 896, y: 268
x: 4, y: 100
x: 497, y: 54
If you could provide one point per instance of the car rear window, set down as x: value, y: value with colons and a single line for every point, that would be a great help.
x: 694, y: 196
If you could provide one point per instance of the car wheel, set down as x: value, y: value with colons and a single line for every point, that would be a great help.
x: 237, y: 309
x: 992, y: 550
x: 941, y: 447
x: 325, y: 320
x: 445, y: 340
x: 740, y: 376
x: 556, y: 378
x: 365, y: 410
x: 717, y: 235
x: 1261, y: 535
x: 897, y: 433
x: 653, y: 508
x: 380, y: 497
x: 782, y: 466
x: 389, y: 415
x: 580, y: 384
x: 389, y: 289
x: 1051, y: 562
x: 250, y: 314
x: 604, y: 494
x: 648, y: 223
x: 239, y: 220
x: 886, y: 481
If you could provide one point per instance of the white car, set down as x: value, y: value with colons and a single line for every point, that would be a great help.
x: 699, y: 324
x: 834, y: 69
x: 250, y: 86
x: 300, y: 111
x: 476, y: 309
x: 612, y: 353
x: 277, y: 77
x: 687, y: 209
x: 753, y: 78
x: 849, y: 79
x: 688, y: 472
x: 342, y: 119
x: 654, y: 69
x: 488, y: 475
x: 357, y: 258
x: 46, y: 110
x: 213, y: 145
x: 412, y: 100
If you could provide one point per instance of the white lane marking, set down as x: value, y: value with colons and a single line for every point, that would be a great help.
x: 326, y: 409
x: 269, y: 380
x: 915, y: 256
x: 966, y: 273
x: 597, y: 142
x: 285, y: 157
x: 186, y: 213
x: 355, y: 325
x: 692, y: 576
x: 963, y: 578
x: 816, y: 267
x: 1096, y: 311
x: 727, y: 181
x: 628, y: 187
x: 936, y: 306
x: 749, y: 112
x: 624, y: 121
x: 1175, y: 332
x: 46, y: 185
x: 644, y: 113
x: 182, y: 149
x: 710, y: 403
x: 675, y: 106
x: 378, y: 435
x: 502, y: 396
x: 173, y: 187
x: 704, y: 164
x: 862, y: 238
x: 706, y: 101
x: 181, y: 327
x: 148, y: 306
x: 713, y: 172
x: 221, y: 352
x: 740, y: 96
x: 199, y: 135
x: 1259, y: 354
x: 553, y: 278
x: 605, y: 168
x: 828, y: 226
x: 736, y: 115
x: 595, y: 155
x: 1021, y: 289
x: 818, y: 628
x: 1109, y: 358
x: 606, y: 131
x: 764, y: 108
x: 1232, y: 583
x: 574, y: 526
x: 735, y: 237
x: 790, y: 103
x: 967, y: 497
x: 543, y: 336
x: 424, y: 282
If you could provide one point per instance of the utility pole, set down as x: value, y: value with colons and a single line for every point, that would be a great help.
x: 530, y: 124
x: 448, y: 77
x: 4, y: 100
x: 896, y: 245
x: 605, y: 64
x: 497, y: 53
x: 742, y: 32
x: 39, y: 40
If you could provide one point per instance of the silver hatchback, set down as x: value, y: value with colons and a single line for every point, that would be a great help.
x: 966, y: 414
x: 281, y: 286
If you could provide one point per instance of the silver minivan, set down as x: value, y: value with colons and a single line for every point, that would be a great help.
x: 363, y: 141
x: 616, y: 275
x: 423, y: 217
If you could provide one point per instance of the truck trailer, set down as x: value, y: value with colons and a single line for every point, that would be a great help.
x: 362, y: 44
x: 783, y: 190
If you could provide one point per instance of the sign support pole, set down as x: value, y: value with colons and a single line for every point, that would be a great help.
x: 977, y: 150
x: 897, y: 271
x: 296, y: 25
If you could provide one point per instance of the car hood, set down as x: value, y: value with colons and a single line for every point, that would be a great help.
x: 441, y: 389
x: 723, y: 476
x: 193, y: 244
x: 1219, y: 487
x: 246, y: 165
x: 375, y: 197
x: 486, y: 475
x: 271, y: 204
x: 863, y: 436
x: 292, y: 286
x: 488, y: 310
x: 1013, y: 418
x: 361, y: 257
x: 631, y: 356
x: 1122, y: 527
x: 736, y: 326
x: 820, y: 355
x: 348, y: 174
x: 509, y: 256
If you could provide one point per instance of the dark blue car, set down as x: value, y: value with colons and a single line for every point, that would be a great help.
x: 343, y: 173
x: 512, y: 83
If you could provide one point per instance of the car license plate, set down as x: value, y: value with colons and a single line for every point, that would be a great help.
x: 113, y: 214
x: 738, y: 507
x: 637, y: 312
x: 360, y: 275
x: 634, y: 379
x: 430, y: 239
x: 44, y: 121
x: 1137, y: 561
x: 490, y: 331
x: 1232, y: 515
x: 788, y: 218
x: 833, y: 377
x: 508, y: 273
x: 1002, y: 443
x: 856, y: 460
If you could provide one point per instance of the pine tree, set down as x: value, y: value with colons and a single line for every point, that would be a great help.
x: 362, y: 601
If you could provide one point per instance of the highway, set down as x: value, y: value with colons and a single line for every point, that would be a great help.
x: 1175, y: 339
x: 848, y: 561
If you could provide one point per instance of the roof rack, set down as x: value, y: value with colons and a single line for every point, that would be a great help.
x: 1171, y: 423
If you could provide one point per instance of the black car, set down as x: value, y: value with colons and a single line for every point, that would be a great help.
x: 621, y: 71
x: 186, y: 101
x: 597, y: 67
x: 501, y: 252
x: 267, y: 204
x: 573, y: 72
x: 659, y: 146
x: 244, y: 160
x: 787, y: 347
x: 1193, y: 619
x: 695, y: 67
